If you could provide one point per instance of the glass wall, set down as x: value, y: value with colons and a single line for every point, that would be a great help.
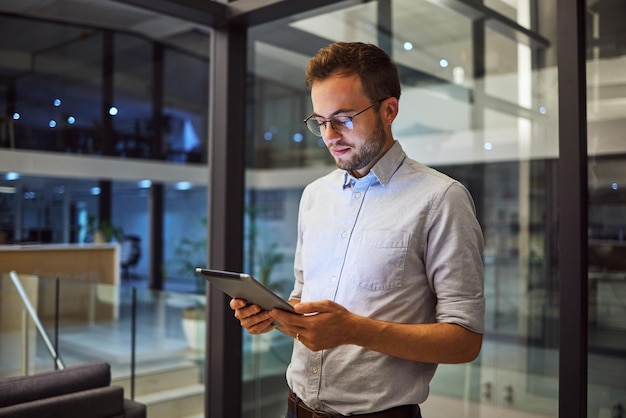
x: 606, y: 116
x: 77, y: 89
x: 479, y: 102
x: 80, y: 101
x: 54, y: 89
x: 37, y: 210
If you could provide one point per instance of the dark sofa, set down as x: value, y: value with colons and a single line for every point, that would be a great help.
x: 82, y: 391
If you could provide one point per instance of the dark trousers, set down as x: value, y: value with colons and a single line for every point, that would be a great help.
x: 291, y: 414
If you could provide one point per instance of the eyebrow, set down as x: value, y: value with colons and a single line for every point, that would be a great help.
x: 335, y: 113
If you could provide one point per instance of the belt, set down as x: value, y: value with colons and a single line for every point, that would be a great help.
x: 301, y: 410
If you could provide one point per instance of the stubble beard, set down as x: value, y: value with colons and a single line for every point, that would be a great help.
x: 366, y: 152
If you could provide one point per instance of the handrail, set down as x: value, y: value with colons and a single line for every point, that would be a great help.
x: 33, y: 314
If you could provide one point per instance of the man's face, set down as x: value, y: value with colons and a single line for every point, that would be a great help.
x: 357, y: 150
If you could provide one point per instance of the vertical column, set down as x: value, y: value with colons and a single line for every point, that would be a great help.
x: 385, y: 26
x: 226, y: 213
x: 155, y: 211
x: 104, y: 200
x: 158, y: 148
x: 478, y: 67
x: 11, y: 99
x: 107, y: 133
x: 573, y: 208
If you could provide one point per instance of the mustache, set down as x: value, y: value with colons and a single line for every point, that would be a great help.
x: 338, y: 144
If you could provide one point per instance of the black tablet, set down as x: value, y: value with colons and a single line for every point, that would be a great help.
x: 244, y: 286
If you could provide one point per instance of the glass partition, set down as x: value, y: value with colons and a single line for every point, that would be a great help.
x: 38, y: 210
x: 479, y: 104
x: 82, y: 89
x: 606, y: 117
x: 149, y: 338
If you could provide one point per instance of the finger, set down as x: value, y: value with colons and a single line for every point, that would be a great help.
x: 237, y: 303
x: 261, y: 327
x: 247, y: 311
x: 282, y: 317
x: 311, y: 308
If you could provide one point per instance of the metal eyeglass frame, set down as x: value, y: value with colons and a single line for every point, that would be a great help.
x: 338, y: 123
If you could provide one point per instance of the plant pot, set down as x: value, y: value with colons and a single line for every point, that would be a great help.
x: 194, y: 328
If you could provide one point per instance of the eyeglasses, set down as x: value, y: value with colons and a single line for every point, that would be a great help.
x: 340, y: 123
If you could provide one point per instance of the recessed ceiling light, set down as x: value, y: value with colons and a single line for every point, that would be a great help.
x: 183, y: 185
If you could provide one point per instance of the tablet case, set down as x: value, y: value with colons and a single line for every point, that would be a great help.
x: 244, y: 286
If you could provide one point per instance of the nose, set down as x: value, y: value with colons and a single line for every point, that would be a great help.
x: 329, y: 134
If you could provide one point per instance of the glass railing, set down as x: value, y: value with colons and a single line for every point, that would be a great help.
x: 141, y: 333
x: 30, y: 313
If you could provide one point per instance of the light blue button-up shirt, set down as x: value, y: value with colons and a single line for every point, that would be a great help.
x: 401, y: 244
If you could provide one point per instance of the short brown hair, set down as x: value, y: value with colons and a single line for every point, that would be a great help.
x: 378, y: 73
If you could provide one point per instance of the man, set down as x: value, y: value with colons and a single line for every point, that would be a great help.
x: 388, y: 269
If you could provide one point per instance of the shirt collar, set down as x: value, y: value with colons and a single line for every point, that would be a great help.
x: 384, y: 169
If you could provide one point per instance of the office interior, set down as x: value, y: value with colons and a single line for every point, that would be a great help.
x: 177, y: 126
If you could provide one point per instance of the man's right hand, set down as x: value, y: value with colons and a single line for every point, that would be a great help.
x: 252, y: 317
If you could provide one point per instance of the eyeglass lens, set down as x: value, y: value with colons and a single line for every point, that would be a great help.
x: 339, y: 124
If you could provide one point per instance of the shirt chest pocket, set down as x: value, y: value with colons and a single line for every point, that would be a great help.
x: 380, y: 265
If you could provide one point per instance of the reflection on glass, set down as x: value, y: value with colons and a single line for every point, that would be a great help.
x: 82, y: 90
x: 138, y: 332
x: 606, y: 70
x: 477, y: 105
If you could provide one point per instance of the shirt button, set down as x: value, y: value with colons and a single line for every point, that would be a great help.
x: 314, y: 370
x: 357, y: 195
x: 344, y: 234
x: 333, y: 279
x: 316, y: 405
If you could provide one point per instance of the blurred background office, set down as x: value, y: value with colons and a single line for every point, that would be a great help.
x: 109, y: 116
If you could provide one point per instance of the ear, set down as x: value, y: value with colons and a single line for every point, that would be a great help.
x: 389, y: 110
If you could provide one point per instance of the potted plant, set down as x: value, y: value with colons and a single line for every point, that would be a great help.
x: 104, y: 231
x: 192, y: 253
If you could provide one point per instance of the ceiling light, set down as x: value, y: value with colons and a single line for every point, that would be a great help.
x: 183, y: 185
